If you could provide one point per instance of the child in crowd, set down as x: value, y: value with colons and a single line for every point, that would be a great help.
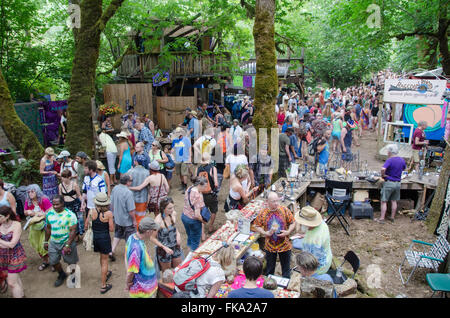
x: 170, y: 163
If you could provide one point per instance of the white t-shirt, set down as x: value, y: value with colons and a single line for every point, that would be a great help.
x: 92, y: 186
x: 234, y: 161
x: 68, y: 166
x: 212, y: 143
x: 107, y: 142
x: 213, y: 275
x: 292, y: 114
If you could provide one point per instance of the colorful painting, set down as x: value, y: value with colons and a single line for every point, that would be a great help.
x: 161, y: 78
x: 432, y: 114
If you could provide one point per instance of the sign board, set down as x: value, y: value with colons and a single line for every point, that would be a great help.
x: 420, y: 91
x: 161, y: 78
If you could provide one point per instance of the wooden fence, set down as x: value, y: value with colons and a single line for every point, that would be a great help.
x: 139, y: 93
x: 171, y: 110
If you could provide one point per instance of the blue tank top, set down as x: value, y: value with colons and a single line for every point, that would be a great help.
x: 125, y: 165
x: 4, y: 201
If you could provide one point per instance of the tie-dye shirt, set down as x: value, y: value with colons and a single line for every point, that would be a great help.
x: 317, y: 242
x: 279, y: 219
x: 145, y: 284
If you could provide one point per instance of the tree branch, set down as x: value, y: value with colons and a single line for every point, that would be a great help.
x: 402, y: 36
x: 119, y: 61
x: 108, y: 14
x: 250, y: 10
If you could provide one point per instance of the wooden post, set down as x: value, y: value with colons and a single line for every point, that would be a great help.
x: 94, y: 122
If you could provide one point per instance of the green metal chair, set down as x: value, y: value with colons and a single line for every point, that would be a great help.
x: 439, y: 283
x: 426, y: 259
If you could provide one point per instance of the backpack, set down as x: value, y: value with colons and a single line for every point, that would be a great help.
x: 312, y: 147
x: 169, y: 164
x: 204, y: 173
x: 185, y: 278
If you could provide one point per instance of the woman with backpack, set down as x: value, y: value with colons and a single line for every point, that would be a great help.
x: 157, y: 154
x: 208, y: 171
x: 192, y: 218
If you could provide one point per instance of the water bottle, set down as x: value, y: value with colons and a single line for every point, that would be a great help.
x: 339, y: 273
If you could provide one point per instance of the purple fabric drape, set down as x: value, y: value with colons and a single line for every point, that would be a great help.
x: 51, y: 117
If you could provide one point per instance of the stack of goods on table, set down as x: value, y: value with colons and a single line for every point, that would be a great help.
x: 251, y: 210
x: 226, y: 233
x: 284, y: 293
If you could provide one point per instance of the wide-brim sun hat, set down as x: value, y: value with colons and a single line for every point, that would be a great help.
x: 308, y: 216
x: 101, y: 199
x: 37, y: 219
x: 100, y: 165
x: 122, y: 134
x: 154, y: 165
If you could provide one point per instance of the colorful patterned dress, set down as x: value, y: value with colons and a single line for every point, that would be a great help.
x: 49, y: 181
x: 145, y: 283
x: 12, y: 259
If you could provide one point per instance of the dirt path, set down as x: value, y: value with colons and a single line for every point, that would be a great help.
x: 375, y: 244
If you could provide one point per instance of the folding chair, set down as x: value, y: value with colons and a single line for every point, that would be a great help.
x: 439, y: 283
x: 338, y: 195
x: 430, y: 259
x: 353, y: 260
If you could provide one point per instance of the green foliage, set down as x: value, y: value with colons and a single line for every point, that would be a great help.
x: 18, y: 172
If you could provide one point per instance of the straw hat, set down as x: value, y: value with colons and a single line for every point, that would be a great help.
x: 193, y: 113
x: 122, y: 134
x: 37, y: 219
x: 49, y: 151
x: 101, y: 199
x: 100, y: 165
x: 309, y: 216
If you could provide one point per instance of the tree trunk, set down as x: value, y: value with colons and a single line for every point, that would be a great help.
x: 266, y: 82
x: 82, y: 83
x: 16, y: 131
x: 441, y: 192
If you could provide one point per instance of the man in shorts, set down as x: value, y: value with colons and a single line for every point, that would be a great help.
x: 181, y: 147
x: 392, y: 174
x: 346, y: 142
x: 60, y: 237
x: 123, y: 208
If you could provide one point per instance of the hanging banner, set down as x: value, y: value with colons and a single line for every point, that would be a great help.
x: 408, y: 91
x: 238, y: 81
x: 247, y: 81
x: 432, y: 114
x: 161, y: 78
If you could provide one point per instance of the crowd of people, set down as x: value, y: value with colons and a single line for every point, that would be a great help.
x: 80, y: 195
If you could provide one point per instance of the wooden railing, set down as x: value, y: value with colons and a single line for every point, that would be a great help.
x: 284, y: 67
x: 183, y: 65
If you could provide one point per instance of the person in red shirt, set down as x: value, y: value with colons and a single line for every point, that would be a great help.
x: 418, y: 143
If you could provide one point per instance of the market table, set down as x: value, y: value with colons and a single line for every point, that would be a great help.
x: 411, y: 182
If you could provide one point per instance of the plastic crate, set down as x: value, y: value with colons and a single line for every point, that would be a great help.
x: 361, y: 210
